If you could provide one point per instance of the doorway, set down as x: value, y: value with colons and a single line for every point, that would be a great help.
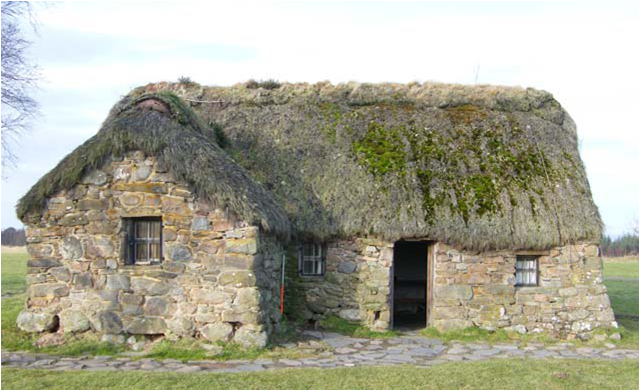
x: 411, y: 293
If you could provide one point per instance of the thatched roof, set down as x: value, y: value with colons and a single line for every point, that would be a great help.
x: 480, y: 167
x: 162, y: 125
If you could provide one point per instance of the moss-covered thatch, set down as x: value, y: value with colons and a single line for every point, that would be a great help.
x: 160, y: 124
x: 481, y: 167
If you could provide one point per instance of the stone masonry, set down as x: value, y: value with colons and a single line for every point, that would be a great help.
x: 479, y: 290
x: 219, y: 277
x: 469, y: 289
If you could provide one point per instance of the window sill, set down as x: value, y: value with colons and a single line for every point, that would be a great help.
x: 311, y: 278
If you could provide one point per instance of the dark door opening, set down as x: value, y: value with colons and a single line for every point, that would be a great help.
x: 410, y: 293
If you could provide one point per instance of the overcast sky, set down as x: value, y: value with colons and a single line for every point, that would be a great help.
x: 586, y: 54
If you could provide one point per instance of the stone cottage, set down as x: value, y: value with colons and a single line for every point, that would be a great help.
x: 391, y: 205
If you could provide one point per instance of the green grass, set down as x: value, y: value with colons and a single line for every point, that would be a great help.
x: 476, y: 334
x: 491, y: 374
x: 625, y: 267
x: 338, y: 325
x: 14, y: 271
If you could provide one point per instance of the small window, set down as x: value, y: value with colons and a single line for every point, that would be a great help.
x: 143, y: 239
x: 526, y: 270
x: 311, y: 259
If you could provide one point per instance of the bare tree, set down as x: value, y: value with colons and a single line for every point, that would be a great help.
x: 19, y: 78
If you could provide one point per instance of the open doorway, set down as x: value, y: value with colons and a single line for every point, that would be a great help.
x: 410, y: 284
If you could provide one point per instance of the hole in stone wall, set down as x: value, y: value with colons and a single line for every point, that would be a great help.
x: 55, y: 324
x: 234, y: 327
x: 376, y: 315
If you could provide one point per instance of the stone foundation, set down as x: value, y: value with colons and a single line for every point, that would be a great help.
x: 219, y: 277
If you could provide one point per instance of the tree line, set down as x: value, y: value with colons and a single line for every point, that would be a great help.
x: 13, y: 237
x: 624, y: 245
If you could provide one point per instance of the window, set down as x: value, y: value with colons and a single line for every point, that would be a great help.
x: 143, y: 240
x: 526, y: 270
x: 311, y: 259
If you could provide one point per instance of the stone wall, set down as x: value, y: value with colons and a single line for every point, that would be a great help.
x: 218, y: 279
x: 469, y: 289
x: 479, y: 290
x: 355, y: 287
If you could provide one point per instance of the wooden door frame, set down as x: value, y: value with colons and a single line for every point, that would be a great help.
x: 428, y: 279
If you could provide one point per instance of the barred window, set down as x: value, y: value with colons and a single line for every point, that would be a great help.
x: 526, y: 270
x: 143, y: 239
x: 311, y: 259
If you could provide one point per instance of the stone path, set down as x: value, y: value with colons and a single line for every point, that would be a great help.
x: 347, y: 352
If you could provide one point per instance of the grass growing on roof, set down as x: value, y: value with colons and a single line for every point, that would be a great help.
x: 479, y: 167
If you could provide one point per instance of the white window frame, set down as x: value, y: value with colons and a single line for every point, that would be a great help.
x: 527, y: 270
x: 311, y: 263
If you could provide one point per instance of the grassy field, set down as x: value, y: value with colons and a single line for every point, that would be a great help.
x: 493, y: 374
x: 623, y: 267
x: 14, y: 270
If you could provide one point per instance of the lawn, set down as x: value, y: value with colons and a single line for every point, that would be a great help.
x: 492, y: 374
x: 14, y: 270
x: 623, y: 267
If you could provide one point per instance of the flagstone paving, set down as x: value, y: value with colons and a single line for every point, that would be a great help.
x: 347, y: 352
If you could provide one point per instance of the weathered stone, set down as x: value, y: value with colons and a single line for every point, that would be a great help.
x: 238, y: 261
x: 109, y: 322
x: 90, y: 204
x: 351, y: 315
x: 61, y: 273
x: 74, y: 321
x: 443, y: 325
x: 118, y: 281
x: 100, y: 247
x: 217, y: 331
x: 95, y: 177
x: 83, y: 280
x: 142, y: 173
x: 181, y: 326
x: 240, y: 315
x: 247, y: 298
x: 249, y: 336
x: 71, y: 248
x: 147, y: 326
x: 242, y: 246
x: 49, y: 290
x: 36, y: 278
x: 238, y: 278
x: 34, y: 322
x: 200, y: 223
x: 209, y: 296
x: 173, y: 267
x: 458, y: 312
x: 74, y: 219
x: 179, y: 253
x: 156, y: 306
x: 566, y: 292
x: 347, y: 267
x: 460, y: 292
x: 148, y: 286
x: 43, y: 263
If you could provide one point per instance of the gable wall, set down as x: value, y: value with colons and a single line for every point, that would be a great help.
x: 219, y: 278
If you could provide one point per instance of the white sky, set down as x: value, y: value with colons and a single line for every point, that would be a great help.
x: 586, y: 54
